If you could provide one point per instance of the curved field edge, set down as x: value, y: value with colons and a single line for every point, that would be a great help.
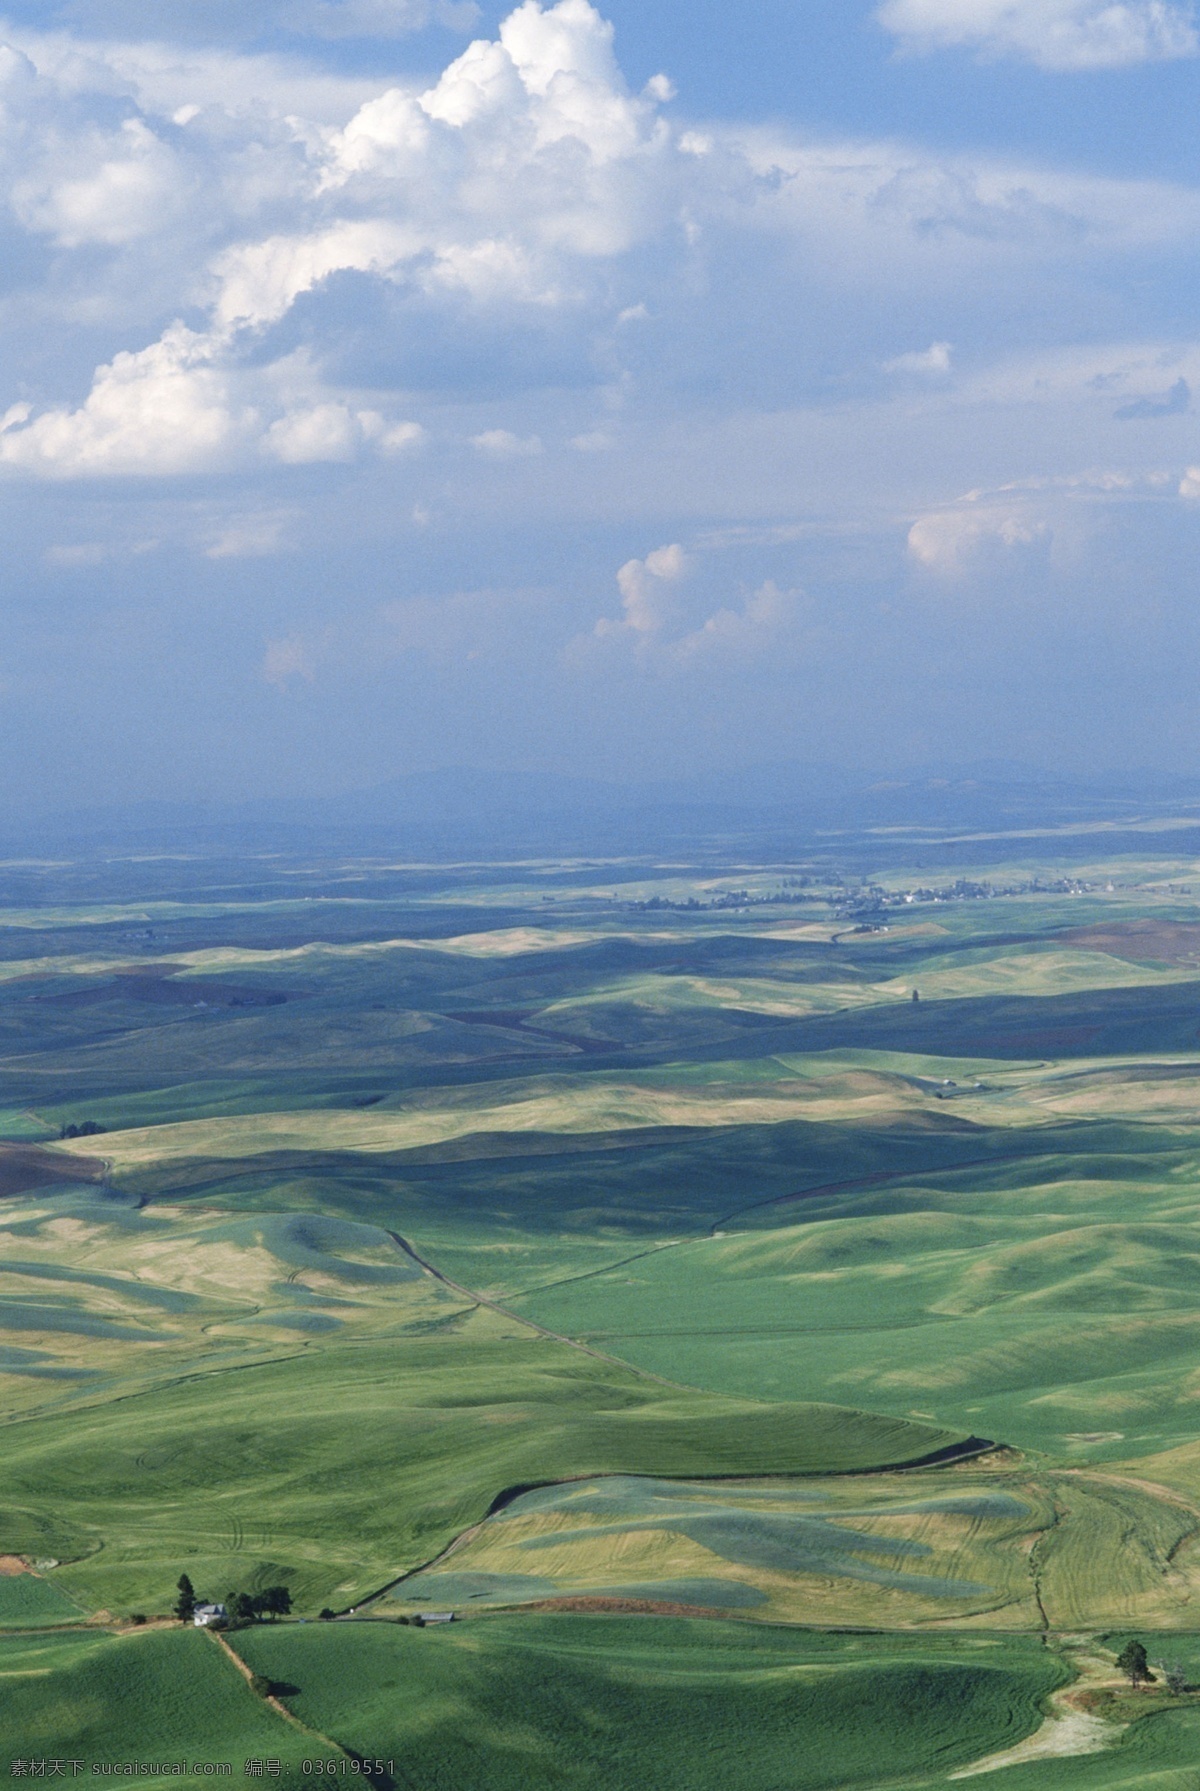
x: 342, y: 1469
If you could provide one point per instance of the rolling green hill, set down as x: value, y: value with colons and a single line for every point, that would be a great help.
x: 540, y: 1702
x: 338, y: 1468
x: 603, y: 1239
x: 147, y: 1698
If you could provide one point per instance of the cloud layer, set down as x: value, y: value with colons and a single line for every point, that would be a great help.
x: 506, y: 184
x: 527, y: 409
x: 314, y: 254
x: 1053, y: 34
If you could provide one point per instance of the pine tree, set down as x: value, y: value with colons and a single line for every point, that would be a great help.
x: 185, y: 1604
x: 1133, y: 1663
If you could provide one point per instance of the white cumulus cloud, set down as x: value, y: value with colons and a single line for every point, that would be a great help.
x: 260, y: 281
x: 414, y: 232
x: 502, y: 444
x: 1054, y: 34
x: 651, y: 621
x: 528, y: 161
x: 166, y: 409
x: 935, y: 359
x: 175, y: 408
x: 760, y: 622
x: 645, y: 587
x: 102, y: 188
x: 326, y: 432
x: 947, y: 541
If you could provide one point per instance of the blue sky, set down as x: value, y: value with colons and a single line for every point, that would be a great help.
x: 624, y: 390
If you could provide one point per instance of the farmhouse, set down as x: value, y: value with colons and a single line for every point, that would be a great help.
x: 205, y: 1615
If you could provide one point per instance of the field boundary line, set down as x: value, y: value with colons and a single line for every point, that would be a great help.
x: 456, y: 1542
x: 1040, y: 1542
x: 531, y: 1324
x: 39, y: 1413
x: 281, y: 1709
x: 701, y: 1237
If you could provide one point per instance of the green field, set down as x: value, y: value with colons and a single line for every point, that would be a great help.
x: 602, y: 1702
x: 31, y: 1601
x: 144, y: 1698
x: 483, y: 1238
x: 337, y: 1469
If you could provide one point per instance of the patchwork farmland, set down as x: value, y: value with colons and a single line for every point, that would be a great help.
x: 775, y: 1337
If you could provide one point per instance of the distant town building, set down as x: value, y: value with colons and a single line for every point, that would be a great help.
x: 205, y: 1615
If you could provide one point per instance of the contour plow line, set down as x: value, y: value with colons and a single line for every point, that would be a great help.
x: 1181, y: 1583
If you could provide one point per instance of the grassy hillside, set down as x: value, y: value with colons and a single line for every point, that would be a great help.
x: 989, y: 1545
x: 154, y: 1696
x: 544, y: 1702
x: 336, y: 1469
x: 29, y: 1600
x: 1053, y: 1301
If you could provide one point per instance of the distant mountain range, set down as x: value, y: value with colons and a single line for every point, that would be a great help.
x: 773, y: 808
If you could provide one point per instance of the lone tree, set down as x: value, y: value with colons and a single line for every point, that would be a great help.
x: 185, y: 1604
x: 1174, y: 1676
x: 1133, y: 1663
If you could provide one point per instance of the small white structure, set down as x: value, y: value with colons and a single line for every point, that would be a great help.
x: 205, y: 1615
x: 435, y: 1617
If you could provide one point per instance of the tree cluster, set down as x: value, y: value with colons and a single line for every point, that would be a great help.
x: 243, y: 1607
x: 1175, y: 1676
x: 251, y: 1607
x: 87, y: 1128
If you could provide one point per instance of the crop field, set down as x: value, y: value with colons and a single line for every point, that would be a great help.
x: 337, y: 1468
x: 29, y: 1600
x: 912, y: 1549
x: 148, y: 1698
x: 602, y: 1702
x: 669, y: 1269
